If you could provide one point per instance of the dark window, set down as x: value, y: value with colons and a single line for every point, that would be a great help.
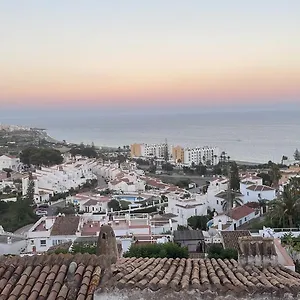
x: 104, y: 236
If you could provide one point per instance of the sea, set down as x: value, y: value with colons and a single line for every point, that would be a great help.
x: 252, y: 136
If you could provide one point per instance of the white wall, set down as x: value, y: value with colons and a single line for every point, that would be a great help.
x: 254, y: 196
x: 14, y: 248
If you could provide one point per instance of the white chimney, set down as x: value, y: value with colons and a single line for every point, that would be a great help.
x: 220, y: 225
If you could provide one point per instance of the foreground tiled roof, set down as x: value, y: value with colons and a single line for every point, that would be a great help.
x: 69, y: 277
x: 46, y: 277
x: 205, y: 275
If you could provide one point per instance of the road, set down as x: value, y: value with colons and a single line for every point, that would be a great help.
x: 52, y: 208
x: 23, y: 230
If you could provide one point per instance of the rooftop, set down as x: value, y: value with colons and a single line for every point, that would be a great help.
x: 259, y: 188
x: 231, y: 238
x: 77, y: 277
x: 240, y: 212
x: 65, y: 225
x: 164, y: 278
x: 188, y: 235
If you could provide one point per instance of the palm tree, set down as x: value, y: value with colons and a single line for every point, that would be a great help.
x: 228, y: 203
x: 274, y: 174
x: 288, y: 202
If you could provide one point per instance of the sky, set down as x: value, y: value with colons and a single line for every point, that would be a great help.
x: 133, y: 53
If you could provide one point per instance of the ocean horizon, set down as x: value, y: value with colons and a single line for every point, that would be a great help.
x: 249, y: 135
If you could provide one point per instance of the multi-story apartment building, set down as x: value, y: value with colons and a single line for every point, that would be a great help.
x: 205, y: 155
x: 150, y: 150
x: 178, y: 154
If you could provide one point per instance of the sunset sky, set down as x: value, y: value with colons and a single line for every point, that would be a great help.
x: 137, y: 52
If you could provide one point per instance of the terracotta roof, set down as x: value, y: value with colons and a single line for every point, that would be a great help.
x: 77, y: 277
x: 231, y: 238
x: 240, y: 212
x: 208, y: 278
x: 49, y: 277
x: 259, y: 188
x: 65, y: 225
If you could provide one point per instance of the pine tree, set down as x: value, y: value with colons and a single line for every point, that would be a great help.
x: 297, y: 154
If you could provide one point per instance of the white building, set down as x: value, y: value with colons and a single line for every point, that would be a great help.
x: 9, y: 162
x: 11, y: 243
x: 52, y: 231
x: 216, y: 186
x: 255, y: 192
x: 59, y: 179
x: 185, y: 208
x: 205, y: 155
x: 234, y: 218
x: 155, y: 150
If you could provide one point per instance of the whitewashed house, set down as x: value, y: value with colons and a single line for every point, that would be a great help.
x: 9, y: 162
x: 58, y: 179
x: 234, y: 218
x: 185, y: 208
x: 256, y: 192
x: 216, y: 186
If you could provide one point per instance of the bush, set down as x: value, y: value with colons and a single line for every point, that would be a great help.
x: 169, y: 250
x: 216, y: 251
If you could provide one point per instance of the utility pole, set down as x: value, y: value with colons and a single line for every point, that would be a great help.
x: 229, y: 195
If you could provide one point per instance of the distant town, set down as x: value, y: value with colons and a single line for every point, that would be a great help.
x: 59, y: 198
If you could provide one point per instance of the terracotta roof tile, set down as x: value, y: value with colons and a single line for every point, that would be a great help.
x: 65, y: 225
x: 46, y: 277
x: 205, y: 275
x: 231, y: 238
x: 51, y: 277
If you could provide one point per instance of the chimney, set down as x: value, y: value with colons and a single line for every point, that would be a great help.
x: 220, y: 225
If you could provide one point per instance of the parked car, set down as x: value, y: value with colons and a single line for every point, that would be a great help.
x: 41, y: 212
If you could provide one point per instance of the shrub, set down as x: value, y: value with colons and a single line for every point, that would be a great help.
x: 169, y: 250
x: 216, y: 251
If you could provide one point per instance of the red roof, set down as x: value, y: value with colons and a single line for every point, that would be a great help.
x: 241, y: 212
x: 259, y: 188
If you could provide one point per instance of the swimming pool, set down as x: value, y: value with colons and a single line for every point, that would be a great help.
x: 130, y: 198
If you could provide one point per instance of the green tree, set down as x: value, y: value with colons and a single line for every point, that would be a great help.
x: 234, y: 176
x: 29, y: 198
x: 231, y: 200
x: 167, y: 167
x: 275, y: 174
x: 297, y: 154
x: 267, y: 180
x: 201, y: 169
x: 198, y: 222
x: 114, y: 204
x: 288, y: 203
x: 40, y: 156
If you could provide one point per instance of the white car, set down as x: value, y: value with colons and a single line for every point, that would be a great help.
x: 41, y: 213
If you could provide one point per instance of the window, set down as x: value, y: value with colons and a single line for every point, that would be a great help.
x: 245, y: 219
x: 240, y: 222
x: 43, y: 243
x: 247, y: 193
x: 217, y: 202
